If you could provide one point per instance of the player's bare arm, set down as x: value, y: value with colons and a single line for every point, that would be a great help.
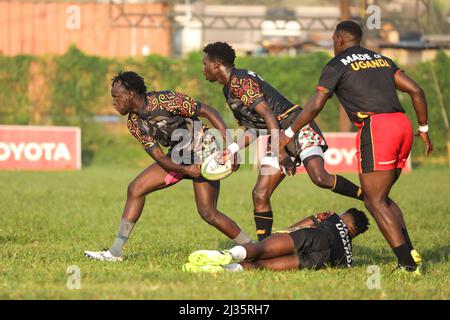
x: 271, y: 121
x: 246, y: 139
x: 306, y: 222
x: 165, y: 161
x: 216, y: 120
x: 308, y: 114
x: 408, y: 85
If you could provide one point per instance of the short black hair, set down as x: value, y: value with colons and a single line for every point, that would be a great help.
x: 221, y: 51
x: 360, y: 220
x: 131, y: 81
x: 351, y: 28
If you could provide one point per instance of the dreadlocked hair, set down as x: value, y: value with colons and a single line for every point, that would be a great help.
x: 131, y: 81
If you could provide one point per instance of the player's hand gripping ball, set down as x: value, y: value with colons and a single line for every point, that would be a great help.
x: 212, y: 170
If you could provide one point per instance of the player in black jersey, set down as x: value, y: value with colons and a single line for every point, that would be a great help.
x: 319, y: 241
x: 153, y: 119
x: 366, y: 83
x: 257, y: 105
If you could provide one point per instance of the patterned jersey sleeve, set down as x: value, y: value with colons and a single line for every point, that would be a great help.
x: 176, y: 103
x: 136, y: 128
x: 321, y: 216
x: 247, y: 90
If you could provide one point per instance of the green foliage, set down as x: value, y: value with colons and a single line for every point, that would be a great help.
x: 15, y: 107
x: 422, y: 74
x: 78, y: 84
x: 78, y: 87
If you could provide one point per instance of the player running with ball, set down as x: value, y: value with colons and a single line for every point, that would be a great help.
x: 153, y: 119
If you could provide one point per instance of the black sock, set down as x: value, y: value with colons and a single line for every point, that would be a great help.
x: 404, y: 257
x: 263, y: 221
x: 408, y: 240
x: 347, y: 188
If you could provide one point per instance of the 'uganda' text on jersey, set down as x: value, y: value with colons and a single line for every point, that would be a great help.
x: 245, y: 90
x: 163, y: 112
x: 338, y: 237
x: 363, y: 82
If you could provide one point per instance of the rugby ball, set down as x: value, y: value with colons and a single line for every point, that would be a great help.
x: 212, y: 170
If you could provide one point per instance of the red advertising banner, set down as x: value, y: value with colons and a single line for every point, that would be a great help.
x: 40, y: 148
x: 341, y: 153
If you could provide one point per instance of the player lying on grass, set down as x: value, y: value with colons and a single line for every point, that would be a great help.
x: 321, y: 240
x: 153, y: 118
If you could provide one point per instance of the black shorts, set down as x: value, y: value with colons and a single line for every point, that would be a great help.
x: 313, y: 248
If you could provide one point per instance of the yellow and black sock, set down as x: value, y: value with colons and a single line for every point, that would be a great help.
x: 263, y: 221
x: 347, y: 188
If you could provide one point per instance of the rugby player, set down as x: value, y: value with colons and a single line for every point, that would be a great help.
x: 257, y: 105
x: 365, y: 83
x: 153, y: 118
x: 319, y: 241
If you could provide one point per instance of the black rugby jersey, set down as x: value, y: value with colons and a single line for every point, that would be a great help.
x: 363, y: 82
x: 245, y: 90
x: 338, y: 237
x: 164, y: 112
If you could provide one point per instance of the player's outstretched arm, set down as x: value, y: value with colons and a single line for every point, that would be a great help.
x: 306, y: 222
x: 167, y: 164
x: 247, y: 138
x: 408, y: 85
x: 216, y: 120
x: 308, y: 114
x: 271, y: 121
x: 310, y: 111
x: 313, y: 220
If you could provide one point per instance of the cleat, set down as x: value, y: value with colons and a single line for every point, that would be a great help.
x: 416, y: 257
x: 190, y: 267
x: 210, y: 257
x: 418, y: 260
x: 407, y: 270
x: 104, y: 255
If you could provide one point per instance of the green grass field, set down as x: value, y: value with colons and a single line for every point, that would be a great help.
x: 49, y: 219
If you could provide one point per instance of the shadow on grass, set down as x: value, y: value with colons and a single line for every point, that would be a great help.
x: 136, y: 255
x: 8, y: 238
x: 363, y: 255
x: 436, y: 254
x: 225, y: 244
x: 368, y: 256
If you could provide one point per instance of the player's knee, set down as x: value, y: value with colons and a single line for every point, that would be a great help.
x: 260, y: 195
x: 368, y: 204
x: 322, y: 179
x: 373, y: 204
x: 134, y: 190
x: 208, y: 214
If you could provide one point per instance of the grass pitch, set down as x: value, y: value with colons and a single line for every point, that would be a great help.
x: 47, y: 220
